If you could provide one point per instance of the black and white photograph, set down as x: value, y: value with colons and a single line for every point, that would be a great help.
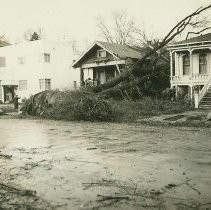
x: 105, y: 105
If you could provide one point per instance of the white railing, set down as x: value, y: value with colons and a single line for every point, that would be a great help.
x: 190, y: 78
x: 204, y: 89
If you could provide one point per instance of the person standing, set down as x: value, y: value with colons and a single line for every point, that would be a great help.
x: 15, y: 101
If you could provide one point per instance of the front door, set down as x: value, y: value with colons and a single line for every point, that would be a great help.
x: 101, y: 76
x: 9, y: 92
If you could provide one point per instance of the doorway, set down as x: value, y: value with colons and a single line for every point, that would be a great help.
x: 9, y: 92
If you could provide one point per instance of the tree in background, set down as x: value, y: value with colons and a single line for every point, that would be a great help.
x: 34, y: 34
x: 121, y: 29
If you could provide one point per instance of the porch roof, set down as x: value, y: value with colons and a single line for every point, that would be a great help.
x: 198, y: 40
x: 201, y: 38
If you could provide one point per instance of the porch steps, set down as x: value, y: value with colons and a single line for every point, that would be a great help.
x: 205, y: 103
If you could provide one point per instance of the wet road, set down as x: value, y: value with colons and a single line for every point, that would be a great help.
x: 105, y: 166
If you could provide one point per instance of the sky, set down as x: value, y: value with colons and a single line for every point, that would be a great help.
x: 76, y: 19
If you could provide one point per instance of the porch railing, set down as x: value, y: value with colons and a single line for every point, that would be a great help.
x: 190, y: 78
x: 204, y: 89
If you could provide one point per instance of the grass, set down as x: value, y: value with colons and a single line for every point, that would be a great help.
x: 147, y: 107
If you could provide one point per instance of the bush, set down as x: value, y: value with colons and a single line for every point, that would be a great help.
x: 168, y: 94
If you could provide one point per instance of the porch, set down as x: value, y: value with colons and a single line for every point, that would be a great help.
x: 190, y: 66
x: 94, y: 76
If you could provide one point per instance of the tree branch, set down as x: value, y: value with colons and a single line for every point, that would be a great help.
x: 191, y: 32
x: 176, y: 30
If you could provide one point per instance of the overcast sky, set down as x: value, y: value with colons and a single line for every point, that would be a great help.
x: 76, y: 18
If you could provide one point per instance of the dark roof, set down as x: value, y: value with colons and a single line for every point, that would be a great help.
x: 121, y: 51
x: 201, y: 38
x: 3, y: 42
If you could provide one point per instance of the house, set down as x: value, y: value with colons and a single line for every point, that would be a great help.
x: 102, y: 61
x: 3, y: 42
x: 34, y: 66
x: 191, y: 69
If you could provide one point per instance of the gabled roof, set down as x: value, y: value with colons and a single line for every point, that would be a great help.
x: 119, y: 51
x: 3, y: 42
x: 194, y: 40
x: 122, y: 51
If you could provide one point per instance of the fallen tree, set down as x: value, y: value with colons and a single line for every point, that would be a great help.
x: 131, y: 71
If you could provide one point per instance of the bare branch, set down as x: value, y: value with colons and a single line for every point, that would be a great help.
x: 121, y: 30
x: 191, y: 32
x: 104, y: 30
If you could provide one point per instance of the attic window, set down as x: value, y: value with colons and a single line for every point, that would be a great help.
x: 101, y: 53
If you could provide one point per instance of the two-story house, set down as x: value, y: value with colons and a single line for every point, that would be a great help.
x: 32, y: 67
x: 191, y: 69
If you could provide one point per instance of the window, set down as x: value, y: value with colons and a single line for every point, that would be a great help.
x: 22, y: 85
x: 45, y: 84
x: 186, y: 65
x: 2, y: 61
x: 101, y: 53
x: 46, y: 58
x: 42, y: 84
x: 202, y: 63
x: 21, y: 60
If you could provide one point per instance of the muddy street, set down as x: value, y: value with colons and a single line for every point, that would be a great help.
x: 71, y: 165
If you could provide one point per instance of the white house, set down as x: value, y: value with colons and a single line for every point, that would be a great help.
x: 191, y: 69
x: 34, y: 66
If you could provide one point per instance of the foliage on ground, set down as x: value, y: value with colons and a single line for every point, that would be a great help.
x: 88, y: 106
x: 70, y: 105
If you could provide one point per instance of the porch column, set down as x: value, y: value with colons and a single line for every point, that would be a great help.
x: 191, y: 74
x: 115, y: 72
x: 171, y: 67
x: 1, y: 92
x: 82, y: 76
x: 191, y: 63
x: 191, y: 93
x: 176, y: 91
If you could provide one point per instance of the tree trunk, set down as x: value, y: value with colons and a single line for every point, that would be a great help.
x: 127, y: 85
